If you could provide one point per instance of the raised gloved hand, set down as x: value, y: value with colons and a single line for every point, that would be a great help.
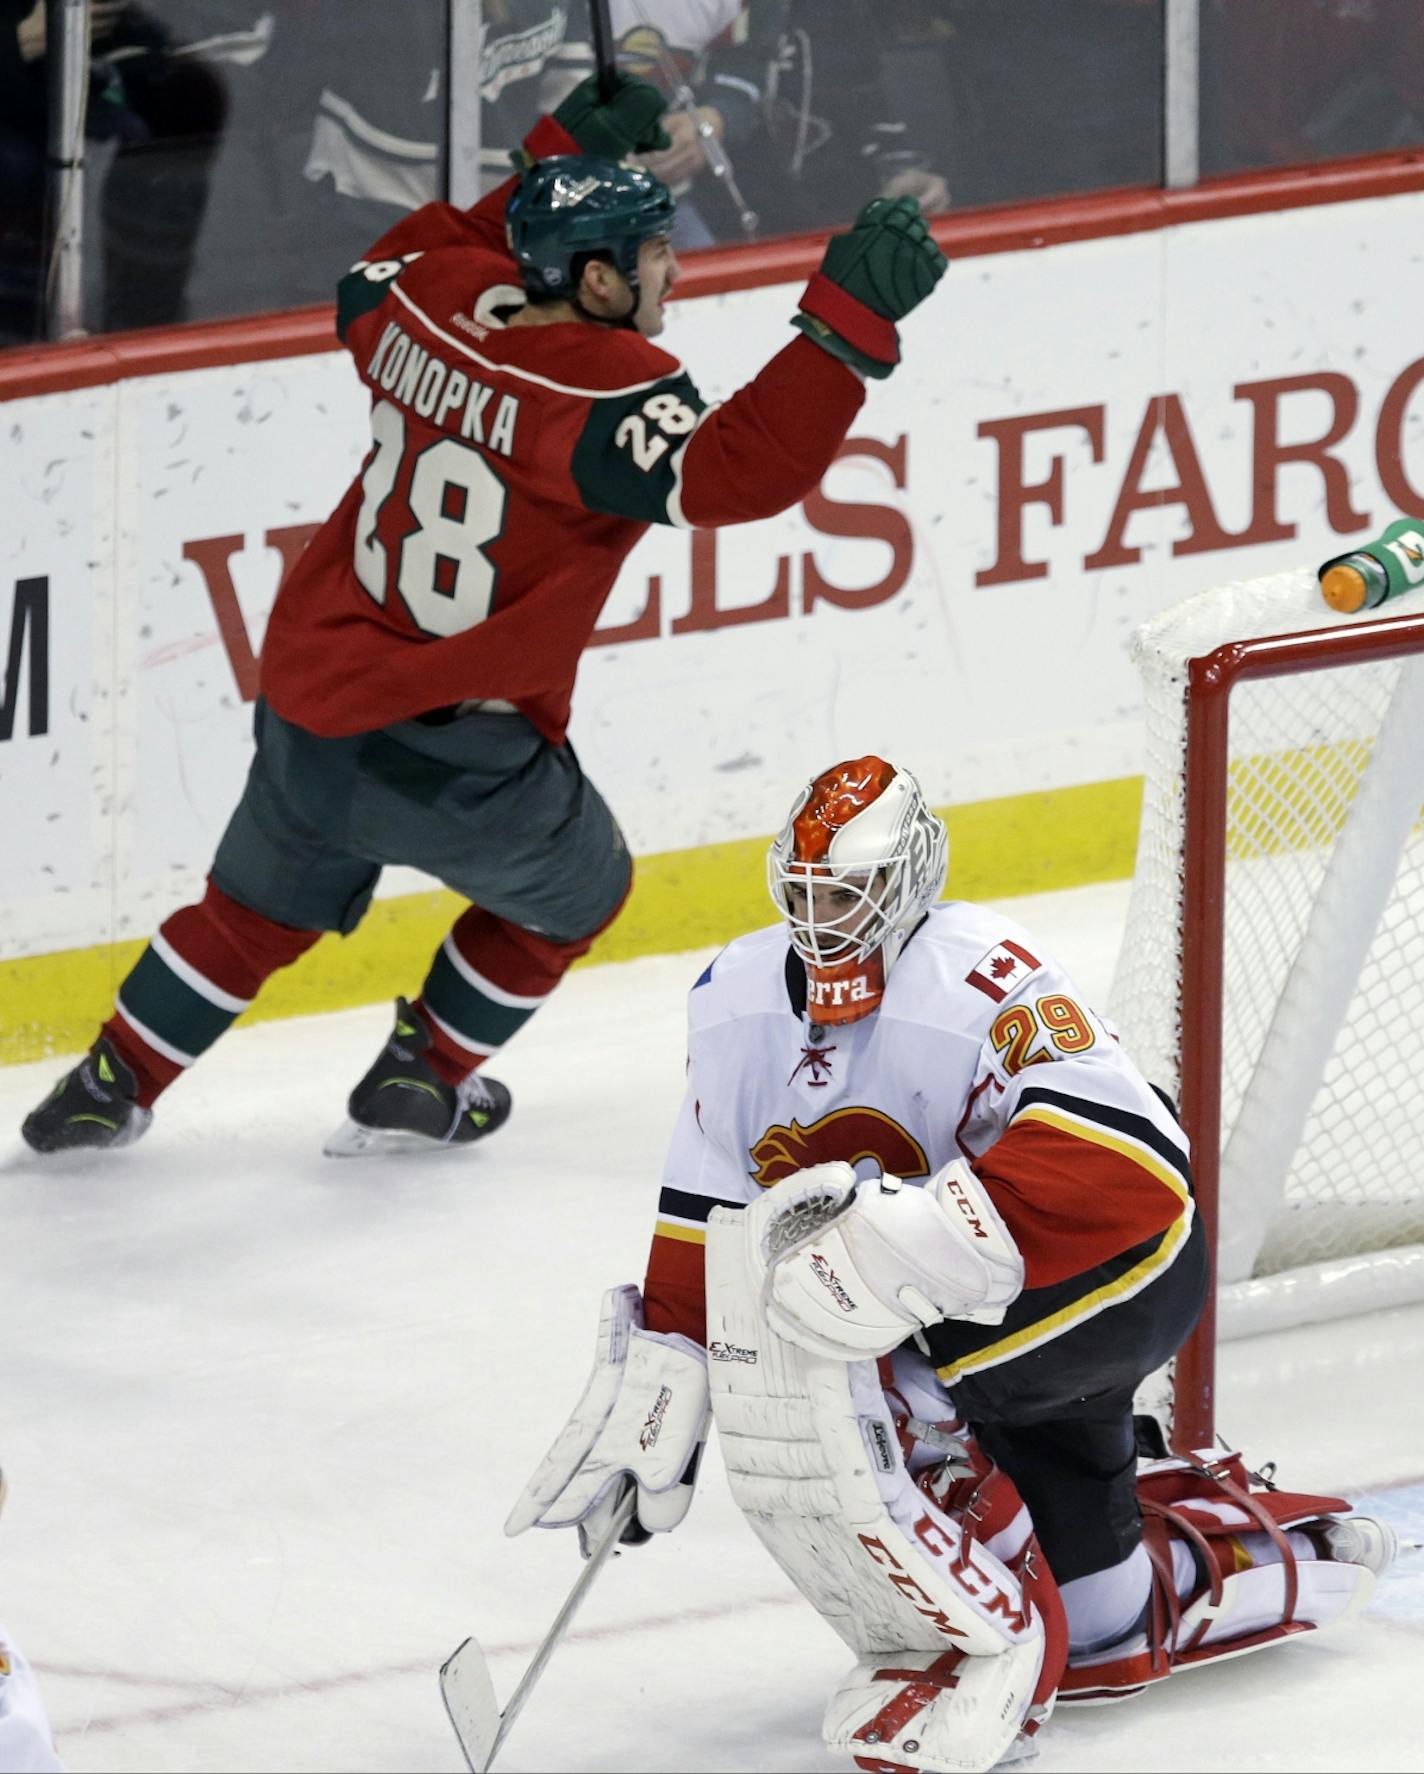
x: 871, y: 277
x: 629, y: 121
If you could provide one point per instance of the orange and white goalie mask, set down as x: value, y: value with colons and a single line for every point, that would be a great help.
x: 856, y: 866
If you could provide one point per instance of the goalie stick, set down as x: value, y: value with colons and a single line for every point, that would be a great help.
x: 465, y: 1683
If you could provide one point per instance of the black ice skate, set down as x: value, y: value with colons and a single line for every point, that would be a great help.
x: 402, y: 1104
x: 91, y: 1106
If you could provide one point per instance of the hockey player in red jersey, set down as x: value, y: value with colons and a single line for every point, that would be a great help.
x: 419, y: 661
x: 924, y: 1228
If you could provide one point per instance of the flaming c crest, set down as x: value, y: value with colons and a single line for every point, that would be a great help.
x: 847, y: 1135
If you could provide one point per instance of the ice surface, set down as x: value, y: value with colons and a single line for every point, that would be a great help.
x: 264, y: 1413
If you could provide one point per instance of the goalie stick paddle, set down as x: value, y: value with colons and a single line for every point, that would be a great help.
x: 603, y: 50
x: 465, y: 1683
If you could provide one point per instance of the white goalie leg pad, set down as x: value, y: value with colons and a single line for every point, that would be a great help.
x: 644, y: 1412
x: 814, y: 1463
x: 938, y: 1710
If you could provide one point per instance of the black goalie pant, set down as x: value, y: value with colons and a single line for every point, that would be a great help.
x: 1057, y: 1414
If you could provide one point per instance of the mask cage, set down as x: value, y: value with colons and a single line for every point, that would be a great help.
x: 914, y: 873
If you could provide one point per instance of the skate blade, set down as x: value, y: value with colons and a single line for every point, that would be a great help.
x: 352, y: 1140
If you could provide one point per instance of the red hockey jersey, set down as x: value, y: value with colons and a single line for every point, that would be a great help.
x: 512, y: 470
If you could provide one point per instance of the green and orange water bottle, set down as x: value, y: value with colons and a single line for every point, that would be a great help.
x: 1383, y: 569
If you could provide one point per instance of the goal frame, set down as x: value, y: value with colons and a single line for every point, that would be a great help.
x: 1210, y: 681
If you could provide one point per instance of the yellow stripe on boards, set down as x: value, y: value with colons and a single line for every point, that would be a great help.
x: 681, y: 899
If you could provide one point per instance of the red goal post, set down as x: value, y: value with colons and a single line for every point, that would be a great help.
x: 1272, y: 969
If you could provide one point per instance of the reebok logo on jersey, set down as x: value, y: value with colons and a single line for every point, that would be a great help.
x: 829, y: 1280
x: 1002, y: 970
x: 653, y: 1424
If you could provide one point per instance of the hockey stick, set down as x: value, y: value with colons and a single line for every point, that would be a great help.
x: 683, y: 97
x: 465, y: 1682
x: 604, y: 54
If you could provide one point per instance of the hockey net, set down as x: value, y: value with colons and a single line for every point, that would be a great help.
x: 1272, y: 970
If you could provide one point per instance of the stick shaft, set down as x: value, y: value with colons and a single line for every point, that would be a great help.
x: 554, y: 1637
x: 603, y: 50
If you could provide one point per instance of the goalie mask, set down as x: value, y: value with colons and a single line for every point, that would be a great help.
x: 857, y: 864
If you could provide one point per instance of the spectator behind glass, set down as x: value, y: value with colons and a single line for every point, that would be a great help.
x: 164, y: 108
x: 855, y: 106
x: 152, y: 125
x: 698, y: 48
x: 23, y: 113
x: 363, y: 111
x: 533, y: 54
x: 1298, y: 81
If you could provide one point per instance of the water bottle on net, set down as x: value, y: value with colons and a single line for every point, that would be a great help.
x: 1381, y: 570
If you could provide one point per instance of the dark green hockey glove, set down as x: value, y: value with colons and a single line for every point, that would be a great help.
x: 888, y: 260
x: 630, y: 122
x: 871, y: 277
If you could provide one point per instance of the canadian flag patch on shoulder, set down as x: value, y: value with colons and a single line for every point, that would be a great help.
x: 1002, y: 970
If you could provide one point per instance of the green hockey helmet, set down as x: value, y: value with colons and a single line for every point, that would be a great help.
x: 573, y: 206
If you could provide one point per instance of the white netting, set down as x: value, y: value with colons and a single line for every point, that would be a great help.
x: 1322, y: 1130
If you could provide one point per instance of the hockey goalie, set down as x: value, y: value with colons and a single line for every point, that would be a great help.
x: 924, y: 1229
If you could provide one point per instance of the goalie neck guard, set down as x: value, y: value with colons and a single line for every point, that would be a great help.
x: 859, y: 861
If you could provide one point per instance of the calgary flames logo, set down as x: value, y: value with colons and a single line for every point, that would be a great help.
x: 847, y: 1135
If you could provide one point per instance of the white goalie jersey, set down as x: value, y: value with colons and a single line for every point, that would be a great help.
x: 981, y: 1049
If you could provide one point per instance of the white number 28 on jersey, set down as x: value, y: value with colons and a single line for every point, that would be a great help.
x: 665, y: 413
x: 443, y: 575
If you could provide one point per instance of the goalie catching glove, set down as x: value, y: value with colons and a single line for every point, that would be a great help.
x: 870, y: 278
x: 643, y: 1418
x: 853, y: 1269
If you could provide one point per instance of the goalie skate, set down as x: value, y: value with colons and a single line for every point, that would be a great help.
x: 402, y: 1105
x: 1322, y: 1572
